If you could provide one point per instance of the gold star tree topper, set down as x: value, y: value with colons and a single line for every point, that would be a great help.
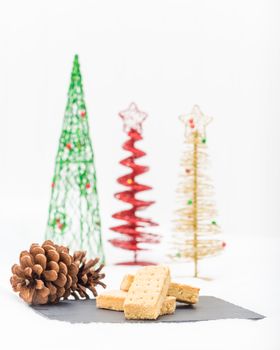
x: 196, y: 121
x: 133, y: 118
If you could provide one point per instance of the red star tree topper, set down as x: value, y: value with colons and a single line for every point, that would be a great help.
x: 133, y: 231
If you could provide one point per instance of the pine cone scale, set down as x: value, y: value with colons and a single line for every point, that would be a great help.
x: 26, y: 294
x: 50, y: 275
x: 41, y: 260
x: 101, y: 284
x: 52, y: 288
x: 52, y: 265
x: 67, y: 294
x: 61, y: 280
x: 39, y: 284
x: 65, y: 258
x: 100, y: 268
x: 40, y: 296
x: 17, y: 270
x: 38, y: 269
x: 60, y: 292
x: 52, y: 255
x: 28, y: 272
x: 63, y: 268
x: 73, y: 270
x: 34, y: 250
x: 48, y: 247
x: 26, y: 261
x: 69, y: 282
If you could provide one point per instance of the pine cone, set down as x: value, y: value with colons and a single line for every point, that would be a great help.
x: 48, y: 273
x: 87, y: 276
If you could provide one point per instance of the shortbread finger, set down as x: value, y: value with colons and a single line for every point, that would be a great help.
x: 182, y: 292
x: 126, y: 282
x: 114, y: 300
x: 147, y: 293
x: 168, y: 306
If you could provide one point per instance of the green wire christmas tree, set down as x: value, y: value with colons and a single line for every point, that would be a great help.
x: 74, y: 218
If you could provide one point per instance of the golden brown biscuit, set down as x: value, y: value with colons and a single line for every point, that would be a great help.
x: 168, y: 306
x: 114, y: 300
x: 182, y: 292
x: 147, y: 293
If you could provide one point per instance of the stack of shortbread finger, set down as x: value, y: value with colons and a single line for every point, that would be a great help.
x: 148, y: 294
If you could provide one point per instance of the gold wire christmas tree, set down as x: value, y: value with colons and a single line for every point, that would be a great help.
x: 196, y: 226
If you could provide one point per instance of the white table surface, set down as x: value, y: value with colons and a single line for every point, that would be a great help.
x: 247, y: 274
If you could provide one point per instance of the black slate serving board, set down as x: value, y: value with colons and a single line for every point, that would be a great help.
x: 85, y: 311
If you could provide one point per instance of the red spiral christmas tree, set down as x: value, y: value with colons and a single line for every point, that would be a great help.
x: 133, y: 230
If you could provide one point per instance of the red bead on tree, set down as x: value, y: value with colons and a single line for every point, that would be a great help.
x: 133, y: 233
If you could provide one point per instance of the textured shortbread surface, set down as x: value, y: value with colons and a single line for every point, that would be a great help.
x: 114, y: 300
x: 126, y: 282
x: 182, y: 292
x: 168, y: 306
x: 147, y: 293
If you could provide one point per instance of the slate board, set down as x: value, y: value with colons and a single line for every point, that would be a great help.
x: 85, y: 311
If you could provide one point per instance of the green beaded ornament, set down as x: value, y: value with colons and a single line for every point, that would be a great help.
x: 190, y: 202
x: 74, y: 218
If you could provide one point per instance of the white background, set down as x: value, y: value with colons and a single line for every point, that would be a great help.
x: 165, y: 56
